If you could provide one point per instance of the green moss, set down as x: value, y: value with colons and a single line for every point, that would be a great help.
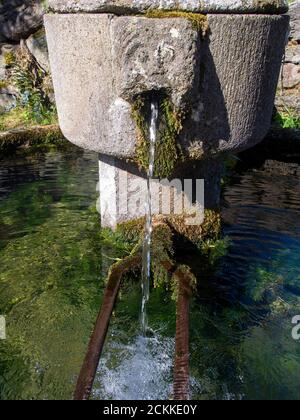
x: 3, y: 84
x: 209, y: 230
x: 214, y: 250
x: 9, y: 59
x: 30, y: 137
x: 211, y: 247
x: 198, y: 20
x: 168, y: 152
x: 185, y: 275
x: 126, y: 235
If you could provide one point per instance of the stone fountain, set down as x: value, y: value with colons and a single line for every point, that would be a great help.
x: 212, y: 65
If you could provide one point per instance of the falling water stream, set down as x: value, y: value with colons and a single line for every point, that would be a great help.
x: 146, y: 271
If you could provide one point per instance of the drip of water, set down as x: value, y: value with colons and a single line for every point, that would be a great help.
x: 146, y: 271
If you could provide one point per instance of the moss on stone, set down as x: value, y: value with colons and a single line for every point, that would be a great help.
x: 30, y: 137
x: 166, y: 270
x: 3, y: 84
x: 210, y: 229
x: 131, y: 231
x: 199, y: 21
x: 168, y: 152
x: 9, y: 58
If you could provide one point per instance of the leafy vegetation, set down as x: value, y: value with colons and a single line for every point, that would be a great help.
x: 34, y: 85
x: 287, y: 119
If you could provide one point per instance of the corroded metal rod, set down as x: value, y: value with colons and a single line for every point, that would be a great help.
x: 181, y: 363
x: 89, y: 368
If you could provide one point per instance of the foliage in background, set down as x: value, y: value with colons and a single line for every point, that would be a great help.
x: 287, y: 119
x: 34, y: 86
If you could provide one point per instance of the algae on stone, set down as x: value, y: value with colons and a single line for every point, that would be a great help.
x: 167, y: 150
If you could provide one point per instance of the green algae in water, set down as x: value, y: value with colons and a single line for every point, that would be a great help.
x: 54, y: 259
x: 50, y: 281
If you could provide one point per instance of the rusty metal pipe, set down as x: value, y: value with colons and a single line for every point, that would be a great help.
x: 181, y: 363
x: 88, y: 371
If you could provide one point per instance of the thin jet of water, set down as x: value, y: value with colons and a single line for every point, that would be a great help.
x: 146, y: 271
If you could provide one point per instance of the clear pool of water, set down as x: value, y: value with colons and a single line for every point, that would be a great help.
x: 53, y: 261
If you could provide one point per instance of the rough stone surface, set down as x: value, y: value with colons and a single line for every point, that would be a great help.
x: 239, y: 70
x: 19, y: 19
x: 7, y: 101
x: 205, y: 6
x: 291, y: 75
x: 102, y: 62
x: 37, y: 45
x: 8, y: 93
x: 295, y: 20
x: 123, y: 191
x: 227, y: 81
x: 288, y: 93
x: 292, y: 54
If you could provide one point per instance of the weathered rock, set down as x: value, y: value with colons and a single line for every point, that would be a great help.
x: 205, y: 6
x: 37, y: 45
x: 2, y: 67
x: 236, y: 95
x: 19, y: 19
x: 291, y: 75
x: 7, y: 101
x: 288, y: 99
x: 282, y: 168
x: 292, y: 54
x: 100, y: 62
x: 4, y: 50
x: 7, y: 91
x: 295, y: 20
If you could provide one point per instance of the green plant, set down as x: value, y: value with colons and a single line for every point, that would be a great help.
x: 33, y: 83
x: 287, y: 119
x: 9, y: 59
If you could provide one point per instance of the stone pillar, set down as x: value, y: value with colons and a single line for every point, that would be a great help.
x: 123, y: 190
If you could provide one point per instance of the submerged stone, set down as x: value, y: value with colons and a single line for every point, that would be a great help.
x: 204, y: 6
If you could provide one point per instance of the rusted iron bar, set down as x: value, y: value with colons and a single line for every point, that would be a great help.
x: 89, y: 368
x: 181, y: 363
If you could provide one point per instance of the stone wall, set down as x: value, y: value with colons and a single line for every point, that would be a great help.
x: 20, y: 20
x: 288, y: 96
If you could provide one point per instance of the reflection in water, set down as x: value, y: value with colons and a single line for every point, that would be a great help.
x: 51, y: 257
x: 241, y: 329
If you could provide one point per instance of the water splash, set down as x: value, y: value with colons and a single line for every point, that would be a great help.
x: 146, y: 271
x: 141, y: 370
